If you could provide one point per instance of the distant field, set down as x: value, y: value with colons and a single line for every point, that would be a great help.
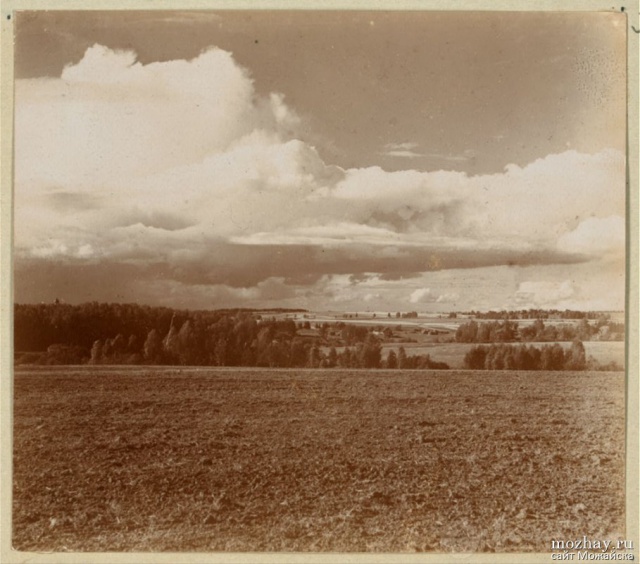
x: 453, y: 353
x: 435, y: 320
x: 307, y: 460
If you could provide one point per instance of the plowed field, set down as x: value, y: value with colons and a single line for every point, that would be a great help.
x: 121, y: 459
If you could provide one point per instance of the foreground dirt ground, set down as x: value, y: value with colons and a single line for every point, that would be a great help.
x: 148, y: 459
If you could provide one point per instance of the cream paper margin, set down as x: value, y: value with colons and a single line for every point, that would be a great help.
x: 7, y: 8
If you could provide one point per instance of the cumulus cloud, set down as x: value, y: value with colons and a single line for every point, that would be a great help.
x: 544, y: 294
x: 180, y: 167
x: 116, y: 120
x: 596, y: 236
x: 429, y: 296
x: 448, y: 298
x: 422, y: 295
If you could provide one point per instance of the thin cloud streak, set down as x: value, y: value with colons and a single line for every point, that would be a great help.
x: 403, y: 154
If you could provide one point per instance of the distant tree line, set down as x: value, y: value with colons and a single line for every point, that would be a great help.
x: 397, y: 315
x: 503, y: 356
x: 488, y: 332
x: 535, y: 314
x: 507, y: 330
x: 131, y: 334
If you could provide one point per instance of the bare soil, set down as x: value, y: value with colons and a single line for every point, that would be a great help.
x: 154, y: 459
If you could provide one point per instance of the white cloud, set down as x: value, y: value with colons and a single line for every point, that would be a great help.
x: 110, y: 120
x: 548, y: 197
x: 589, y: 288
x: 191, y: 140
x: 422, y: 295
x: 174, y: 293
x: 448, y: 298
x: 164, y: 161
x: 331, y: 234
x: 544, y: 294
x: 430, y: 296
x: 451, y: 158
x: 52, y: 249
x: 403, y: 153
x: 406, y: 146
x: 596, y: 236
x: 101, y: 65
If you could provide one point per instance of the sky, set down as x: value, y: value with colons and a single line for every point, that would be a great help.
x: 382, y: 161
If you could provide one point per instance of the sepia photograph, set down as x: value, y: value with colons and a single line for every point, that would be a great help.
x: 321, y: 281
